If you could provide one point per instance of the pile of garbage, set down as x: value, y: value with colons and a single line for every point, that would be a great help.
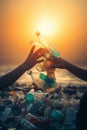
x: 25, y: 108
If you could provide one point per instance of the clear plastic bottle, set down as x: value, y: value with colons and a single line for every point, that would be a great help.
x: 70, y: 116
x: 47, y: 112
x: 51, y: 50
x: 29, y: 126
x: 44, y: 66
x: 36, y: 79
x: 33, y: 119
x: 45, y: 43
x: 37, y: 121
x: 5, y: 114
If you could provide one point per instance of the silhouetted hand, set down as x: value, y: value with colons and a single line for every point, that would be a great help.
x: 57, y: 62
x: 63, y: 64
x: 33, y: 57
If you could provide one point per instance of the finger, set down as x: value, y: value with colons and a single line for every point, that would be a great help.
x: 40, y: 51
x: 53, y: 66
x: 49, y: 59
x: 39, y: 55
x: 52, y: 59
x: 32, y: 50
x: 38, y: 61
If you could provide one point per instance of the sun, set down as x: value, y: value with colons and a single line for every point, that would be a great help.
x: 46, y: 27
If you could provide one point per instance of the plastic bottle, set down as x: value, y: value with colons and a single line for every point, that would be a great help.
x: 49, y: 78
x: 51, y: 50
x: 26, y: 124
x: 29, y: 98
x: 43, y: 66
x: 29, y: 107
x: 70, y: 116
x: 31, y: 118
x: 16, y: 97
x: 36, y: 79
x: 44, y: 43
x: 37, y: 121
x: 56, y: 115
x: 49, y: 81
x: 47, y: 112
x: 26, y: 107
x: 5, y: 114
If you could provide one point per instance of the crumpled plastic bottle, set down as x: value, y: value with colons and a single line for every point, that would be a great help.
x: 50, y: 51
x: 37, y: 121
x: 33, y: 119
x: 43, y: 42
x: 26, y: 124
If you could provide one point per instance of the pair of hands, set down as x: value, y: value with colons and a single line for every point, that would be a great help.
x: 33, y: 59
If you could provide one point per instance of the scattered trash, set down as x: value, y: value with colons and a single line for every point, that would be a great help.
x: 37, y: 110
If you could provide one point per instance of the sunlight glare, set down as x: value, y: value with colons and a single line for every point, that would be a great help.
x: 46, y: 27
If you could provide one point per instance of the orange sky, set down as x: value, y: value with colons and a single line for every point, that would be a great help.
x: 21, y: 18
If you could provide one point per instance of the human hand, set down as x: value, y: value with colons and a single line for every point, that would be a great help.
x: 33, y: 57
x: 57, y: 62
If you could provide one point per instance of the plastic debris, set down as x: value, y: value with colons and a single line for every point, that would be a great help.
x: 56, y: 115
x: 29, y: 98
x: 5, y: 114
x: 37, y: 110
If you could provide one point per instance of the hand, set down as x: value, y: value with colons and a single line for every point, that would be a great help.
x: 33, y: 57
x: 57, y: 63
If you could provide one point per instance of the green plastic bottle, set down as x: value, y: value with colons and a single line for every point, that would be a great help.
x: 49, y: 81
x: 56, y: 115
x: 29, y: 98
x: 54, y: 52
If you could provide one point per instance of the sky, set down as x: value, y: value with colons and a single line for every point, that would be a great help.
x: 63, y: 22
